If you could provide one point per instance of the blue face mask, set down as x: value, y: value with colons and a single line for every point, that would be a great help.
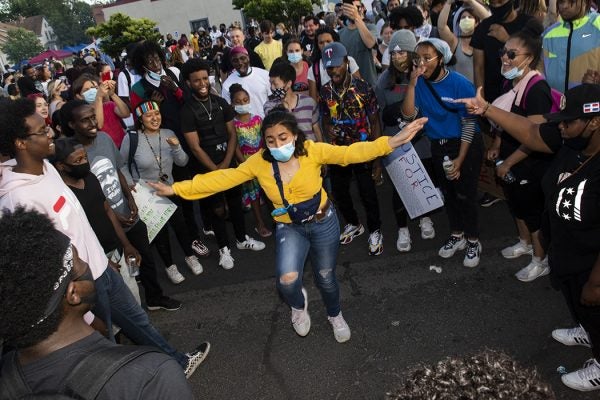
x: 243, y: 108
x: 294, y: 58
x: 512, y: 73
x: 283, y: 153
x: 153, y: 75
x: 90, y: 95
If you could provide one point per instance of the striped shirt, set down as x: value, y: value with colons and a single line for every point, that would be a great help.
x: 306, y: 113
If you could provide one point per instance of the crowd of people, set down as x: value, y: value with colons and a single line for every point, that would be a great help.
x: 280, y: 122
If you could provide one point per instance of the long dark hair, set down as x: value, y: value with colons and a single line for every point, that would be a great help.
x: 316, y: 53
x: 280, y: 116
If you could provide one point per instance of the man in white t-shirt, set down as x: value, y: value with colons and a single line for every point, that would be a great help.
x: 125, y: 81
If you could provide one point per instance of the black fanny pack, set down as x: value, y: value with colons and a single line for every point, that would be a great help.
x: 300, y: 213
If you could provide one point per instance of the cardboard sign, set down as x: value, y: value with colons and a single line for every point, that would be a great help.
x: 412, y: 182
x: 154, y: 210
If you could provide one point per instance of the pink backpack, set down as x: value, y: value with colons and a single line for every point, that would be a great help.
x: 557, y: 97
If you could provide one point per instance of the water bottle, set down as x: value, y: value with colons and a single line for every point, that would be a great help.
x: 448, y: 166
x: 509, y: 177
x: 133, y: 269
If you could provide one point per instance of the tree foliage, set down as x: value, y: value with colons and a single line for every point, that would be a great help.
x: 120, y: 30
x: 68, y: 18
x: 21, y: 44
x: 286, y: 11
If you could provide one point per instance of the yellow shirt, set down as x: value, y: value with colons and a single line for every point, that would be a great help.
x: 304, y: 184
x: 269, y: 52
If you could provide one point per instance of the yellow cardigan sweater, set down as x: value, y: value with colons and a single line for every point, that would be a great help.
x: 304, y: 184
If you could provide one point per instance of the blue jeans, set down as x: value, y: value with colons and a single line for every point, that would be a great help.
x: 115, y: 303
x: 320, y: 241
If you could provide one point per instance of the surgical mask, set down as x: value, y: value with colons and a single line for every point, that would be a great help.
x: 514, y: 72
x: 283, y: 153
x: 499, y: 14
x: 279, y: 93
x: 467, y: 25
x: 243, y: 108
x: 90, y: 95
x: 294, y: 58
x: 279, y: 32
x: 153, y: 75
x: 78, y: 171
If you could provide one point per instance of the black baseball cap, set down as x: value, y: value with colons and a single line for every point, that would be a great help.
x: 582, y: 101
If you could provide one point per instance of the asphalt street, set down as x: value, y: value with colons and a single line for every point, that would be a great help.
x: 401, y: 313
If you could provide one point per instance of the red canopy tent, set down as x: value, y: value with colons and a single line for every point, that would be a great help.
x: 57, y: 54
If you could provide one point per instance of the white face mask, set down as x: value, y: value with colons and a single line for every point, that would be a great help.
x: 467, y: 25
x: 243, y: 108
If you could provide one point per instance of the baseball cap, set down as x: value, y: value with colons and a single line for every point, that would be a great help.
x: 334, y: 54
x: 63, y: 148
x: 582, y: 101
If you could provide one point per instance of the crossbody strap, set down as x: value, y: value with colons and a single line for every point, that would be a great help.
x: 437, y: 97
x: 277, y: 177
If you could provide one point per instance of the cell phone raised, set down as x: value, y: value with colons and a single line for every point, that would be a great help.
x: 105, y: 76
x: 348, y: 1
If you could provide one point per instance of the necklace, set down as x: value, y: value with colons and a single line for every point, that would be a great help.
x: 209, y: 106
x: 158, y: 157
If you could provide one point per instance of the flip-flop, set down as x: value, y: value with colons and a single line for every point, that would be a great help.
x: 263, y: 233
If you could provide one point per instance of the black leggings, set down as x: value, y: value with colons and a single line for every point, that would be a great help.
x: 182, y: 232
x: 227, y: 204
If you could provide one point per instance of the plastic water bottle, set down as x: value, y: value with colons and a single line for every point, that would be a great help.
x: 448, y: 166
x: 509, y: 177
x: 134, y: 270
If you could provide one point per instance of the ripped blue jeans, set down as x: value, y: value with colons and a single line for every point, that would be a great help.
x: 319, y: 240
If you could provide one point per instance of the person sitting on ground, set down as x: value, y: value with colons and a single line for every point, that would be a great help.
x: 48, y: 334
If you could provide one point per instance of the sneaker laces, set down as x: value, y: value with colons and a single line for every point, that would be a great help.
x: 472, y: 248
x: 349, y: 228
x: 590, y: 371
x: 426, y: 224
x: 451, y: 242
x: 404, y: 236
x: 375, y: 238
x: 338, y: 322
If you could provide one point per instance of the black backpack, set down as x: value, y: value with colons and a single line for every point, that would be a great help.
x: 84, y: 382
x: 133, y: 143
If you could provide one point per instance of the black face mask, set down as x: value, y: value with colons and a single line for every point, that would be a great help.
x: 578, y: 143
x: 436, y: 73
x: 499, y: 14
x: 90, y: 298
x: 78, y: 171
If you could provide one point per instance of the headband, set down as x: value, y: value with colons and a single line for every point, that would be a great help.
x: 144, y: 107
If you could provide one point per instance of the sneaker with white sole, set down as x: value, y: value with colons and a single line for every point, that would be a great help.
x: 403, y: 244
x: 427, y: 229
x: 473, y: 254
x: 341, y: 330
x: 572, y: 336
x: 517, y: 250
x: 301, y: 318
x: 350, y: 232
x: 195, y: 358
x: 452, y: 245
x: 535, y: 269
x: 375, y: 243
x: 250, y: 244
x: 225, y: 259
x: 194, y: 264
x: 174, y: 274
x: 585, y: 379
x: 209, y: 232
x: 200, y: 248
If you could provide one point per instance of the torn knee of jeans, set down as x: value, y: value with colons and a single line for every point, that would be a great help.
x: 325, y: 273
x: 289, y: 278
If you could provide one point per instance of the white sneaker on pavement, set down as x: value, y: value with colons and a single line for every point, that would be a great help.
x: 350, y: 232
x: 572, y: 336
x: 427, y: 229
x: 452, y: 245
x: 535, y: 269
x: 301, y: 318
x: 225, y: 259
x: 341, y: 330
x: 403, y: 244
x: 585, y: 379
x: 517, y: 250
x: 375, y: 243
x: 250, y: 244
x: 174, y: 274
x: 473, y: 254
x: 194, y: 264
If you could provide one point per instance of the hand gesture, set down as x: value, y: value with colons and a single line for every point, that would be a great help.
x: 111, y: 87
x: 157, y: 97
x: 103, y: 90
x: 475, y: 105
x: 351, y: 11
x: 498, y: 32
x: 502, y: 170
x: 415, y: 74
x: 173, y: 141
x: 162, y: 189
x: 591, y: 76
x: 407, y: 133
x: 168, y: 82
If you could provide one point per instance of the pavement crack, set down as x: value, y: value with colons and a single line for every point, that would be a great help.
x: 270, y: 368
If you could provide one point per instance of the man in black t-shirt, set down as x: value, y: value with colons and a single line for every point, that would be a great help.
x: 207, y: 125
x: 488, y: 38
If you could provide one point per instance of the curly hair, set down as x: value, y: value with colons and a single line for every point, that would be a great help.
x: 31, y: 263
x: 194, y: 65
x: 142, y: 51
x: 66, y: 116
x: 316, y: 54
x: 411, y: 14
x: 280, y: 116
x: 12, y: 123
x: 487, y: 375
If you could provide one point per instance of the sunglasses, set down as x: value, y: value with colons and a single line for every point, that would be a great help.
x: 510, y: 53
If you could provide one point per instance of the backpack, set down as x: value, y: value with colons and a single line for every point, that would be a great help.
x: 85, y: 381
x: 133, y: 143
x: 557, y: 97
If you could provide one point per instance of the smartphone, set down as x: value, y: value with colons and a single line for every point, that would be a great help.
x: 63, y: 78
x: 348, y: 1
x: 105, y: 76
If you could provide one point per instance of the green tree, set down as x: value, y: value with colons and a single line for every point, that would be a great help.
x: 120, y: 30
x: 287, y: 11
x: 21, y: 44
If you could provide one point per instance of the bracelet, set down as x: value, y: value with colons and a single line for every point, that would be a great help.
x: 487, y: 105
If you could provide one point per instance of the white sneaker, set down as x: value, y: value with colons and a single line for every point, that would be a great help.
x: 452, y: 245
x: 350, y: 232
x: 375, y: 243
x: 572, y: 337
x: 250, y: 244
x: 194, y: 264
x: 473, y: 254
x: 209, y: 232
x: 533, y: 270
x: 517, y: 250
x: 341, y: 330
x: 300, y: 318
x: 225, y: 259
x: 174, y: 274
x: 403, y: 242
x: 427, y: 229
x: 585, y: 379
